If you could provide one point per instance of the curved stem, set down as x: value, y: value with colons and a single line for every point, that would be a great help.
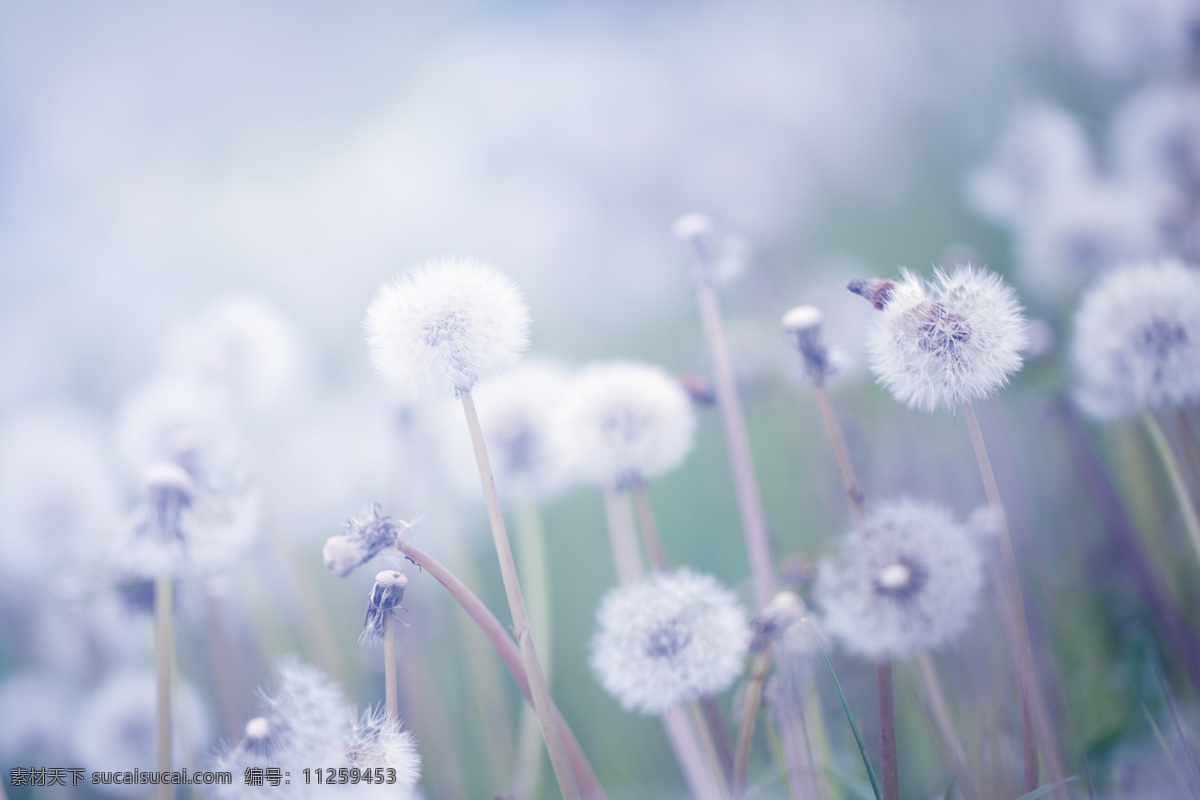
x: 509, y: 654
x: 516, y: 602
x: 1175, y: 475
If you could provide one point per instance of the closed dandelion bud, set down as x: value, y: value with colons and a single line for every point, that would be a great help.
x: 906, y: 578
x: 1137, y: 340
x: 386, y: 596
x: 364, y: 539
x: 953, y: 343
x: 445, y: 325
x: 669, y: 639
x: 802, y: 326
x: 623, y: 421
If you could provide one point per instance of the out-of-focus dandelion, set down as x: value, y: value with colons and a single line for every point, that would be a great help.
x: 669, y: 639
x: 377, y: 740
x: 116, y: 729
x: 39, y: 714
x: 907, y: 578
x: 953, y: 343
x: 440, y: 329
x: 365, y: 537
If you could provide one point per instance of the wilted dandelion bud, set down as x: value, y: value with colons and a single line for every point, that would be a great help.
x: 768, y: 625
x: 945, y: 345
x: 906, y: 578
x: 802, y: 326
x: 668, y: 639
x: 1137, y: 340
x: 386, y: 596
x: 376, y: 741
x: 445, y: 325
x: 363, y: 540
x: 624, y: 421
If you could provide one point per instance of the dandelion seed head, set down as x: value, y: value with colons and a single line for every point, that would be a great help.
x: 906, y: 578
x: 446, y: 325
x: 365, y: 537
x: 953, y: 343
x: 1137, y: 340
x: 668, y: 639
x: 376, y: 741
x: 623, y: 421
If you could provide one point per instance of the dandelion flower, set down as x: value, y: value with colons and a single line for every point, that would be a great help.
x: 906, y: 578
x: 624, y: 421
x: 1137, y: 340
x: 445, y: 325
x: 669, y: 639
x: 363, y: 540
x: 945, y: 345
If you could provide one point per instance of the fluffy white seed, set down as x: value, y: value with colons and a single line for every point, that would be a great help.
x: 668, y: 639
x: 1137, y: 340
x: 445, y: 325
x: 623, y: 421
x: 906, y: 578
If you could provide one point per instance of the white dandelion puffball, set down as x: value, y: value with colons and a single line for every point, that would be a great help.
x: 623, y: 421
x: 445, y: 325
x: 949, y: 344
x: 906, y: 578
x: 376, y: 741
x: 1137, y: 340
x: 668, y: 639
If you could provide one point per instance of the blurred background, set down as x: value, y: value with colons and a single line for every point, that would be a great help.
x: 197, y: 201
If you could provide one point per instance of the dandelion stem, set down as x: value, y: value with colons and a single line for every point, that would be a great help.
x: 945, y: 725
x: 224, y: 661
x: 889, y: 767
x: 1187, y: 434
x: 841, y: 453
x: 758, y: 676
x: 509, y: 653
x: 754, y: 524
x: 705, y: 734
x: 1019, y: 625
x: 627, y: 557
x: 389, y: 666
x: 531, y: 551
x: 542, y: 702
x: 701, y: 785
x: 163, y: 657
x: 645, y: 514
x: 1178, y: 486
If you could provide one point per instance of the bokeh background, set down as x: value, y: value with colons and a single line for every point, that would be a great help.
x: 157, y: 160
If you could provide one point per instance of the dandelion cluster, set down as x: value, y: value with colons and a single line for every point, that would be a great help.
x: 1137, y: 340
x: 445, y: 325
x: 669, y: 639
x: 907, y: 578
x: 953, y: 343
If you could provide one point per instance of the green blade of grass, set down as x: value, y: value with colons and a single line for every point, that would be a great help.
x: 1162, y: 741
x: 1187, y: 751
x: 1042, y: 791
x: 862, y: 747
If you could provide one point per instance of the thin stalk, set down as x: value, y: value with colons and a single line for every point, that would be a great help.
x: 719, y: 734
x: 754, y: 692
x: 1182, y: 496
x: 163, y: 664
x: 389, y: 666
x: 223, y: 662
x: 940, y: 710
x: 704, y: 733
x: 627, y: 556
x: 534, y: 565
x: 645, y: 515
x: 841, y: 453
x: 700, y: 781
x: 1019, y: 625
x: 511, y: 656
x: 1187, y: 435
x: 542, y: 702
x: 889, y: 766
x: 754, y: 520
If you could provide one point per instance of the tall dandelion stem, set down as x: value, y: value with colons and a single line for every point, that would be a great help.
x: 1024, y: 656
x: 945, y: 724
x: 645, y: 513
x: 516, y: 602
x: 389, y: 667
x: 754, y: 521
x: 754, y: 692
x: 889, y: 771
x: 841, y: 453
x: 1165, y: 454
x: 163, y: 667
x: 531, y: 549
x: 509, y: 654
x: 622, y: 535
x: 701, y: 785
